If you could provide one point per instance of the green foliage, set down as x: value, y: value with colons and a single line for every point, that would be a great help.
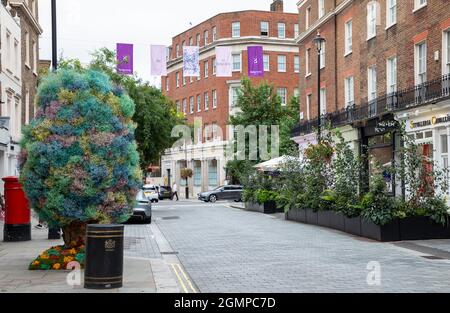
x: 377, y: 205
x: 263, y: 196
x: 79, y: 159
x: 238, y: 172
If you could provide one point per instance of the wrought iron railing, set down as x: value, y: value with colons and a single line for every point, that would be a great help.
x: 423, y: 94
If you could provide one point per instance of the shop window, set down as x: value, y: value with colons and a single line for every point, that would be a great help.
x: 197, y: 174
x: 212, y: 173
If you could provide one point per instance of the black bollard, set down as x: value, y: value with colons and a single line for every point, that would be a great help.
x: 54, y: 234
x: 104, y: 257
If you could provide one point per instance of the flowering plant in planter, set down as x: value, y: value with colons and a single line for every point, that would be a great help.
x: 186, y: 173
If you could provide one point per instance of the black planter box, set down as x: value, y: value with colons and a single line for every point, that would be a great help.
x: 353, y: 226
x: 337, y: 221
x: 312, y: 217
x: 324, y: 218
x: 269, y: 207
x: 385, y: 233
x: 297, y: 215
x: 422, y: 228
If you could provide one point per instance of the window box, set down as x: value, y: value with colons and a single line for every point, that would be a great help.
x: 269, y: 207
x: 353, y: 226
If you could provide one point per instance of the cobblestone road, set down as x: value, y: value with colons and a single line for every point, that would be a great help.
x: 230, y: 250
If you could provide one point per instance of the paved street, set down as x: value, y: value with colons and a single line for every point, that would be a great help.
x: 230, y: 250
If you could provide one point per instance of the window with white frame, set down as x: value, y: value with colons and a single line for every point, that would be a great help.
x: 178, y: 50
x: 198, y: 40
x: 17, y: 58
x: 266, y: 62
x: 206, y: 69
x: 197, y: 166
x: 265, y: 29
x: 307, y: 17
x: 214, y: 33
x: 236, y: 29
x: 184, y: 80
x: 296, y: 64
x: 447, y: 52
x: 348, y: 37
x: 281, y: 30
x: 236, y: 62
x: 371, y: 20
x: 184, y: 105
x: 308, y: 106
x: 296, y: 92
x: 183, y: 44
x: 234, y: 96
x: 321, y: 6
x: 167, y: 83
x: 282, y: 93
x: 27, y: 107
x: 191, y: 41
x: 349, y: 91
x: 391, y: 75
x: 206, y: 36
x: 281, y: 63
x: 421, y: 63
x: 214, y: 99
x: 307, y: 60
x: 323, y: 101
x: 445, y: 154
x: 177, y: 103
x: 391, y: 15
x: 177, y: 79
x: 27, y: 48
x: 199, y: 103
x: 372, y: 83
x: 191, y: 105
x: 214, y: 66
x: 206, y: 96
x: 322, y: 55
x: 419, y: 4
x: 296, y: 30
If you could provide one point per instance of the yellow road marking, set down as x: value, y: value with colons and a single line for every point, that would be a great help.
x: 186, y: 278
x: 179, y: 278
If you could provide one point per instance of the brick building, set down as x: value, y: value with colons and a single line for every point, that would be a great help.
x: 384, y: 61
x: 212, y: 98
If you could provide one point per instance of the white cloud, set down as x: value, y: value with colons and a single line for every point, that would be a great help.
x: 86, y: 25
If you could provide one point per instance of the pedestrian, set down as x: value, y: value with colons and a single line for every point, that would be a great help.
x: 175, y: 191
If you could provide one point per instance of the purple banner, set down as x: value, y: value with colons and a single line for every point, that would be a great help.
x: 255, y: 61
x: 125, y: 59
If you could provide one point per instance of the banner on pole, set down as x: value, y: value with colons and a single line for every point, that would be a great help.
x: 191, y: 61
x: 224, y: 62
x: 125, y: 59
x: 255, y: 61
x: 158, y: 60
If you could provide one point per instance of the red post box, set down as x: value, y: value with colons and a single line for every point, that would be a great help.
x: 17, y: 212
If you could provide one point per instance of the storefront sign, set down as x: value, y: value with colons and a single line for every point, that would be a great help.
x: 385, y: 126
x: 433, y: 121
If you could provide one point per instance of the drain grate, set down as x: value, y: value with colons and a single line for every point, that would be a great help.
x: 169, y: 253
x: 171, y: 218
x: 432, y: 257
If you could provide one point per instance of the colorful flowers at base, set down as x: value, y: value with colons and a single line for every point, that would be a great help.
x: 57, y: 258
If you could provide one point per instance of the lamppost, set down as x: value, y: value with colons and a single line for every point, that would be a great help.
x: 54, y: 38
x: 319, y: 42
x: 186, y: 158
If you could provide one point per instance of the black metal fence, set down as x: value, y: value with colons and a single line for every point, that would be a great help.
x: 430, y: 92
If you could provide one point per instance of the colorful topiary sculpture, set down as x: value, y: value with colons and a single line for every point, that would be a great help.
x: 79, y: 163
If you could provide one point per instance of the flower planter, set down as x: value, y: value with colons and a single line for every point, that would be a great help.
x: 337, y: 221
x: 324, y: 218
x: 269, y: 207
x: 422, y: 228
x: 296, y: 215
x: 385, y: 233
x: 312, y: 217
x: 353, y: 226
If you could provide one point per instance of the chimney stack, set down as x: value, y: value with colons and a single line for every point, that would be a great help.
x: 277, y: 6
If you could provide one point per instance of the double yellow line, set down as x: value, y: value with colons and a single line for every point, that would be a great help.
x: 183, y: 278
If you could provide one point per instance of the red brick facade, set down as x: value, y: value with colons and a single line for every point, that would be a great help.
x: 413, y: 25
x: 250, y: 34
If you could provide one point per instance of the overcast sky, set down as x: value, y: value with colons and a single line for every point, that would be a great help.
x: 86, y: 25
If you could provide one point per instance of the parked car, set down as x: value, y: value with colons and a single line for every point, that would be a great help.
x: 151, y: 192
x: 232, y: 192
x: 165, y: 192
x: 142, y: 210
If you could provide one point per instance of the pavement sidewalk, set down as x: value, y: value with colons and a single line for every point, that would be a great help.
x: 141, y: 275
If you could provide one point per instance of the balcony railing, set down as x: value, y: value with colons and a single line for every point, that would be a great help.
x: 423, y: 94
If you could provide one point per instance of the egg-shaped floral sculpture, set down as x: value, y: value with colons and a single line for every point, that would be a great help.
x: 79, y: 162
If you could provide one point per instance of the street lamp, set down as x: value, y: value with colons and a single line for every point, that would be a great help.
x: 54, y: 38
x: 319, y: 41
x: 186, y: 158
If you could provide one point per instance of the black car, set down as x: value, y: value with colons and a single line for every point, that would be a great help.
x: 232, y: 192
x: 165, y: 192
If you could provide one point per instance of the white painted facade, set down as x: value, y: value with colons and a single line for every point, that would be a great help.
x: 11, y: 93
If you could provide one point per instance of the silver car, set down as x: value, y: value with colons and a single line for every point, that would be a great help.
x: 142, y: 210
